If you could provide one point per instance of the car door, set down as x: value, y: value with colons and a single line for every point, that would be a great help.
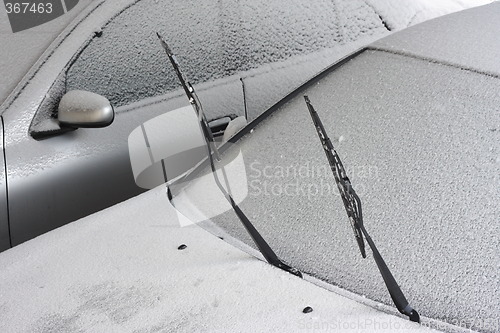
x: 56, y: 176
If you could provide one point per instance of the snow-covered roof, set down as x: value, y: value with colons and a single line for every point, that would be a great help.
x: 468, y: 39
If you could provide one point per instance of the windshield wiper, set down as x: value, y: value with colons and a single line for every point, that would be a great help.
x: 352, y: 205
x: 212, y: 151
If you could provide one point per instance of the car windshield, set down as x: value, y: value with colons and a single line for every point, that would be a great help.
x: 414, y: 151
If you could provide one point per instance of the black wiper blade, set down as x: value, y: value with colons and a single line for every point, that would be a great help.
x: 193, y: 99
x: 352, y: 205
x: 351, y: 200
x: 264, y: 248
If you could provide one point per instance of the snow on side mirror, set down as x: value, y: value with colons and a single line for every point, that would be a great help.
x: 79, y: 108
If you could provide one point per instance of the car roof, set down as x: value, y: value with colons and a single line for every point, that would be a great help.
x: 459, y: 39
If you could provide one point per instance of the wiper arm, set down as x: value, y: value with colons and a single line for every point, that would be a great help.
x: 352, y: 205
x: 212, y: 149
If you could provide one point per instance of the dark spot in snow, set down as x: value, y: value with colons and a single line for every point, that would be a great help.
x: 197, y: 282
x: 182, y: 247
x: 385, y: 24
x: 215, y: 303
x: 98, y: 34
x: 307, y: 309
x: 221, y: 237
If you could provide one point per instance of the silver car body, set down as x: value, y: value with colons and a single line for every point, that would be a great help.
x: 43, y: 192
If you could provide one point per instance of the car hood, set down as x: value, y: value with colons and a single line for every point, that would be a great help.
x: 123, y: 270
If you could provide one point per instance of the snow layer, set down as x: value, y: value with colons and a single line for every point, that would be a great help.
x: 218, y: 39
x: 420, y: 144
x: 120, y: 270
x: 399, y: 14
x: 211, y: 40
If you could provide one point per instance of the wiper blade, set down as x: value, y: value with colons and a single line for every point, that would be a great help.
x: 351, y: 200
x: 212, y: 149
x: 352, y: 205
x: 193, y: 100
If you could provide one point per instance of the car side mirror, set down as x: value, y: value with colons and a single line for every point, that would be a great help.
x: 79, y: 108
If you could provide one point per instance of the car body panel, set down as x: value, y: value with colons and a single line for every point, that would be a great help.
x: 102, y: 157
x: 37, y: 169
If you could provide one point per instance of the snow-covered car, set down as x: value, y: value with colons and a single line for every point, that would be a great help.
x: 420, y: 106
x: 242, y: 59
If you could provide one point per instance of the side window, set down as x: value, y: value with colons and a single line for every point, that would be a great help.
x: 215, y: 40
